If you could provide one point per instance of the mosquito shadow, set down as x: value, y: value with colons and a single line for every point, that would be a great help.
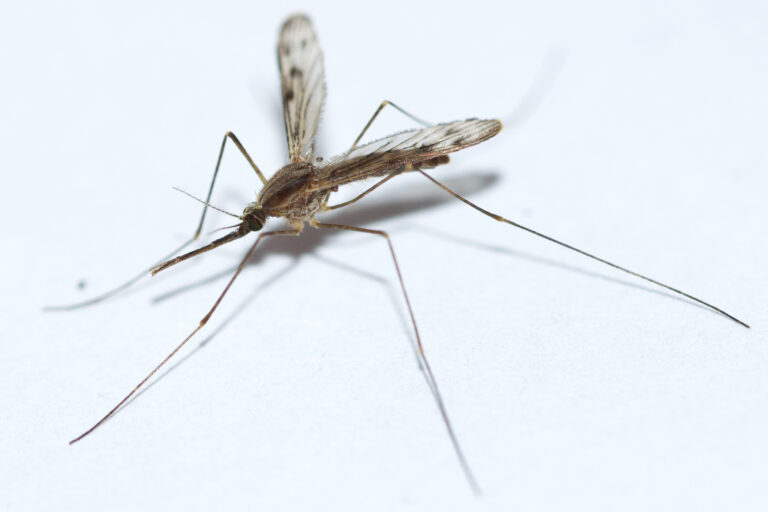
x: 202, y: 282
x: 394, y: 296
x: 232, y: 316
x: 264, y: 286
x: 421, y: 196
x: 450, y: 237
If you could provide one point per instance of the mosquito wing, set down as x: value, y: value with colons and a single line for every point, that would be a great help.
x: 414, y: 149
x: 303, y: 83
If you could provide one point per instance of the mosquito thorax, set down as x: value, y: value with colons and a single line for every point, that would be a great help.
x: 286, y: 187
x: 253, y: 217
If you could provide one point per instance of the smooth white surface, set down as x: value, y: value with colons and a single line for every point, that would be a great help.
x: 571, y: 386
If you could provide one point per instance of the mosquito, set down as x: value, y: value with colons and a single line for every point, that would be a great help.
x: 301, y: 189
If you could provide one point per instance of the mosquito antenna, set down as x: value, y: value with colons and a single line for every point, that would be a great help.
x: 205, y: 202
x: 588, y: 255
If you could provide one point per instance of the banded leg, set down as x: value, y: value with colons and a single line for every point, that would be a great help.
x: 432, y: 382
x: 114, y: 291
x: 184, y: 342
x: 583, y: 253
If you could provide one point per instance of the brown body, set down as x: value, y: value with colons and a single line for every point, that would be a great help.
x: 292, y: 193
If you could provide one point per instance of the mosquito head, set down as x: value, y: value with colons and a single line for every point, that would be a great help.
x: 253, y: 217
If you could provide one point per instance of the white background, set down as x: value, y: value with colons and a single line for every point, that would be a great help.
x: 636, y: 132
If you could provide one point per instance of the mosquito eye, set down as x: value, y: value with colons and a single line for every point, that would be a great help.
x: 254, y: 222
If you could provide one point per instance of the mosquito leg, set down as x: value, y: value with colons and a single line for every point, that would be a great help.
x: 375, y: 114
x: 178, y: 347
x: 114, y: 291
x: 422, y: 356
x: 374, y: 187
x: 584, y: 253
x: 228, y: 135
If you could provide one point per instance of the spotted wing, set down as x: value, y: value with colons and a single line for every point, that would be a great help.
x: 302, y: 77
x: 414, y: 149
